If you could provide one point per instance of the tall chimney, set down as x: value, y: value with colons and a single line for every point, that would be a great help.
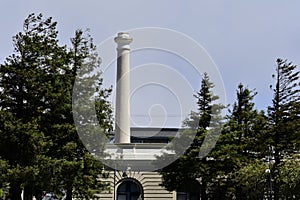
x: 122, y: 134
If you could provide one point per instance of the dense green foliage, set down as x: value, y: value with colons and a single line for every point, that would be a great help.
x: 284, y: 120
x: 257, y: 154
x: 39, y: 144
x: 192, y: 165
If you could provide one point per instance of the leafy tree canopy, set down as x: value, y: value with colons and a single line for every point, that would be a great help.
x: 38, y: 135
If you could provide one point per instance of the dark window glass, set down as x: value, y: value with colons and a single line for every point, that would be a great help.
x: 129, y: 190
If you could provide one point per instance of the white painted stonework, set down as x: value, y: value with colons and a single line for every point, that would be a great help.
x: 123, y: 89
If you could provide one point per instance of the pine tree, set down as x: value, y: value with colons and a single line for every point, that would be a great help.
x: 190, y: 167
x: 284, y: 115
x: 38, y: 134
x: 84, y: 62
x: 26, y: 82
x: 247, y: 124
x: 240, y: 143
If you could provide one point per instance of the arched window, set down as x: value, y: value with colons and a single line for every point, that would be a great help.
x: 190, y: 190
x: 130, y: 190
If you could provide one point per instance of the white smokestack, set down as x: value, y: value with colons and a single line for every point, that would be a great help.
x: 122, y: 132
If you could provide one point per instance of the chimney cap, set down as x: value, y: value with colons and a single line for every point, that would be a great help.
x: 123, y: 38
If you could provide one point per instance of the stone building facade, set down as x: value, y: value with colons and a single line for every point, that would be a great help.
x: 135, y: 185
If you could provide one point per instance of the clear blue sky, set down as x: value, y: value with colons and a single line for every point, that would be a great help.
x: 244, y: 38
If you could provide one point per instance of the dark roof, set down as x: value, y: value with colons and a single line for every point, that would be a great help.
x: 142, y: 132
x: 150, y: 135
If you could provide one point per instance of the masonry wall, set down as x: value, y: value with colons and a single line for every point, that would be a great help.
x: 150, y: 182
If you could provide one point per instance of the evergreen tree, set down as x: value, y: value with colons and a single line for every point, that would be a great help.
x: 284, y: 116
x: 26, y: 89
x: 246, y: 125
x: 200, y: 125
x: 240, y: 144
x: 38, y: 134
x: 85, y: 169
